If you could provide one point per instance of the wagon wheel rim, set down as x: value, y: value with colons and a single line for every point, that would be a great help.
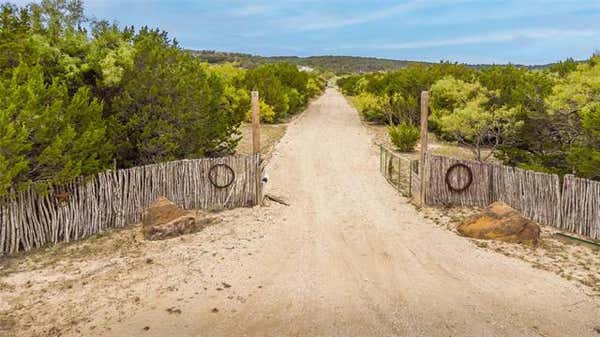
x: 212, y: 173
x: 453, y: 188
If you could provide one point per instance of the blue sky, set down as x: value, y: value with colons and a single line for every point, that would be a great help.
x: 526, y: 31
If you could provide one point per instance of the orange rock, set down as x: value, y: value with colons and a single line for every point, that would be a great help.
x: 165, y: 220
x: 162, y: 211
x: 503, y: 223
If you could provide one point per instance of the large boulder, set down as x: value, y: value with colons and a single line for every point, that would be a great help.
x: 165, y: 220
x: 501, y: 222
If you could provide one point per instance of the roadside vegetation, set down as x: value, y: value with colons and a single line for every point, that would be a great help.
x: 545, y: 119
x: 79, y: 96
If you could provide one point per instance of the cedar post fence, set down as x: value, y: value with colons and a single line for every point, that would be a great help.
x: 256, y: 139
x: 255, y: 123
x: 30, y: 219
x: 573, y: 205
x: 424, y: 118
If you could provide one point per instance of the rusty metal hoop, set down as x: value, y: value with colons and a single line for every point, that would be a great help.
x: 469, y: 180
x: 213, y: 179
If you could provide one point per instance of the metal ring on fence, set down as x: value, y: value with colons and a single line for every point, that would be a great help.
x: 469, y: 178
x: 212, y: 173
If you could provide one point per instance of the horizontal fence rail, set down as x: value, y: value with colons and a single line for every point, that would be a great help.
x: 573, y: 205
x: 111, y: 199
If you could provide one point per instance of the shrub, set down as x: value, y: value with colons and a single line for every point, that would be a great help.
x: 266, y: 112
x: 404, y: 136
x: 370, y: 107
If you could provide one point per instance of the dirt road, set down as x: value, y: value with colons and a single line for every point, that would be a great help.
x: 349, y: 257
x: 352, y: 258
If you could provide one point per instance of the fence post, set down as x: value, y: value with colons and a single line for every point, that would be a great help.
x: 380, y: 158
x: 491, y: 184
x: 410, y: 177
x: 424, y: 117
x: 399, y: 174
x: 255, y: 123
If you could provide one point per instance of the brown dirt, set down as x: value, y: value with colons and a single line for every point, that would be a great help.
x: 270, y: 134
x: 570, y: 259
x: 349, y: 257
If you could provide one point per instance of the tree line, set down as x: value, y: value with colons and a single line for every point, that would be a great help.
x: 328, y: 63
x: 541, y: 119
x: 79, y: 96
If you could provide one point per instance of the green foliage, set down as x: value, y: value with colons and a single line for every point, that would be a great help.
x: 370, y: 107
x: 283, y: 87
x: 542, y: 119
x: 575, y: 107
x: 564, y: 68
x: 333, y: 64
x: 404, y: 136
x: 400, y: 91
x: 168, y: 104
x: 267, y: 114
x: 77, y: 97
x: 48, y: 134
x: 466, y: 112
x: 348, y: 85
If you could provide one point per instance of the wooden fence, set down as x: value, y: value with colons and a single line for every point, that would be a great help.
x: 397, y: 170
x: 88, y: 206
x: 581, y: 206
x: 439, y: 193
x: 573, y: 205
x: 535, y: 194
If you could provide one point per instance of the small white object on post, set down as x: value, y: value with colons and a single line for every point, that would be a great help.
x: 424, y: 117
x: 255, y: 123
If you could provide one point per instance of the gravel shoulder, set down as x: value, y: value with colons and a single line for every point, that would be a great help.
x: 349, y: 257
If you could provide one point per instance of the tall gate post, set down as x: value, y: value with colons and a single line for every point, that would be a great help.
x: 255, y: 123
x: 424, y: 117
x: 256, y: 142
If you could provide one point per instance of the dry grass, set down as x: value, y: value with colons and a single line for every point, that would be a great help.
x: 270, y: 134
x: 436, y: 146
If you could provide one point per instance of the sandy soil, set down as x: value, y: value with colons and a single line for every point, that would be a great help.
x: 571, y: 259
x: 270, y: 134
x: 349, y: 257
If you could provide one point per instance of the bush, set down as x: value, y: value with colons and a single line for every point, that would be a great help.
x: 370, y: 108
x: 404, y: 136
x: 266, y: 112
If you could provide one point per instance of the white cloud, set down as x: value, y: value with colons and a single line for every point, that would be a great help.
x: 250, y: 10
x: 494, y: 37
x: 324, y: 22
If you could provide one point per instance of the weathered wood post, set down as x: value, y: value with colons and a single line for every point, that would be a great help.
x: 424, y: 117
x: 256, y: 143
x: 255, y: 123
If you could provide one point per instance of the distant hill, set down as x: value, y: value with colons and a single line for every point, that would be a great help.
x: 336, y: 64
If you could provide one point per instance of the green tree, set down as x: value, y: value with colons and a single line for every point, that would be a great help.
x: 53, y: 136
x: 171, y: 106
x: 575, y: 102
x: 465, y: 112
